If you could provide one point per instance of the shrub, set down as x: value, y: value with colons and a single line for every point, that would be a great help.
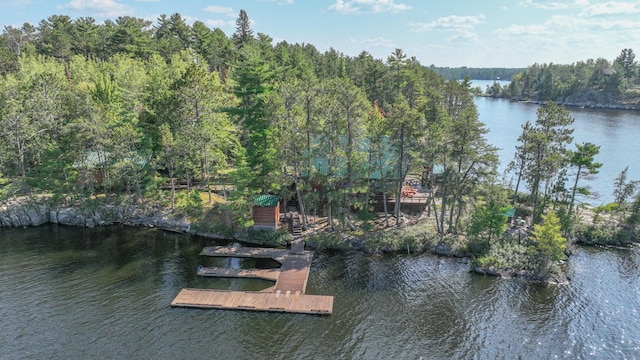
x: 504, y: 255
x: 602, y: 235
x: 327, y: 241
x: 189, y: 204
x: 610, y: 207
x: 269, y: 237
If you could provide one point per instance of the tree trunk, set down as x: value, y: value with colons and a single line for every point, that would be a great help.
x: 443, y: 207
x: 515, y: 192
x: 575, y: 187
x: 435, y: 213
x: 173, y: 188
x: 400, y: 177
x: 384, y: 204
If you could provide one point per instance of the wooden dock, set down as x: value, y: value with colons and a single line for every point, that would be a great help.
x: 254, y: 300
x: 265, y: 274
x: 288, y: 294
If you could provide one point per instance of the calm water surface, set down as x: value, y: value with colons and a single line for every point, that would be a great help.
x: 616, y: 132
x: 68, y: 293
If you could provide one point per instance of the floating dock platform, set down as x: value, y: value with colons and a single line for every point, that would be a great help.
x: 288, y: 294
x: 255, y: 300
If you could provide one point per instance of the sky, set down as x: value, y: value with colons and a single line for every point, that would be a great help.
x: 454, y: 33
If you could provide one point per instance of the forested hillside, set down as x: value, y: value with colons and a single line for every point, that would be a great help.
x: 589, y: 83
x: 137, y: 113
x: 128, y: 108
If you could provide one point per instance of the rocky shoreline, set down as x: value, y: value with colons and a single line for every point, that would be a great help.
x: 591, y: 100
x: 28, y: 213
x: 35, y: 213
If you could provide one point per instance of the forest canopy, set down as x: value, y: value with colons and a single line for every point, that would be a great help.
x: 129, y: 106
x: 132, y: 111
x: 584, y: 83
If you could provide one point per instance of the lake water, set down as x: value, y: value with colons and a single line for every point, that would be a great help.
x: 615, y: 131
x: 69, y: 293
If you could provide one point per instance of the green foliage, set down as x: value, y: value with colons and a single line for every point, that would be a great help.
x: 604, y: 235
x: 607, y: 208
x: 548, y: 242
x: 125, y: 109
x: 488, y: 221
x: 414, y: 238
x: 583, y: 159
x: 476, y: 73
x: 583, y: 82
x: 504, y: 254
x: 189, y: 204
x: 624, y: 188
x: 331, y: 240
x: 3, y: 186
x: 269, y: 238
x: 634, y: 215
x: 542, y: 157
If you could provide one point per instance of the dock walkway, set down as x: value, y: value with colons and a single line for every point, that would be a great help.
x: 288, y: 294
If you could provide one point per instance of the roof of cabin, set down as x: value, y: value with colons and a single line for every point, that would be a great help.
x: 266, y: 200
x: 372, y: 168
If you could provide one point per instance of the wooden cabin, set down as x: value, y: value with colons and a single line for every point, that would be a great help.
x: 266, y: 212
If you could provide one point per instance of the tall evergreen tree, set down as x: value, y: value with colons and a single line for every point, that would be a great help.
x: 583, y: 159
x: 546, y: 152
x: 253, y: 83
x: 244, y: 33
x: 85, y: 37
x: 54, y: 36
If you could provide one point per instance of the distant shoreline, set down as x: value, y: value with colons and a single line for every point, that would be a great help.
x: 587, y: 105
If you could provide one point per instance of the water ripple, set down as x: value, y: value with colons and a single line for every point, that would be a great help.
x: 108, y: 297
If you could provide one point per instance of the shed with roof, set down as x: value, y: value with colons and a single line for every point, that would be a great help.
x: 266, y: 212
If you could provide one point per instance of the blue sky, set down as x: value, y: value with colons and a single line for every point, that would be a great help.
x: 474, y: 33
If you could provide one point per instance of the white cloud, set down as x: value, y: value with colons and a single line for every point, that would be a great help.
x: 279, y: 2
x: 517, y: 30
x: 449, y: 23
x: 546, y: 5
x: 554, y: 5
x: 612, y: 8
x: 219, y: 10
x: 461, y: 28
x: 219, y: 23
x: 585, y: 24
x: 228, y: 12
x: 367, y: 6
x: 15, y: 3
x: 102, y: 8
x: 378, y: 42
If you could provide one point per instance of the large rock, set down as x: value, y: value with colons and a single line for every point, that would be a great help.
x: 29, y: 213
x: 19, y: 215
x: 444, y: 250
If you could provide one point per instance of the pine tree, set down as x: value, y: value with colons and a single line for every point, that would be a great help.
x: 549, y: 244
x: 243, y: 34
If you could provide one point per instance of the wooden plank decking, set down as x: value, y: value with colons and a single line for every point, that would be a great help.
x: 253, y: 300
x: 245, y: 252
x: 294, y: 273
x: 265, y: 274
x: 288, y: 294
